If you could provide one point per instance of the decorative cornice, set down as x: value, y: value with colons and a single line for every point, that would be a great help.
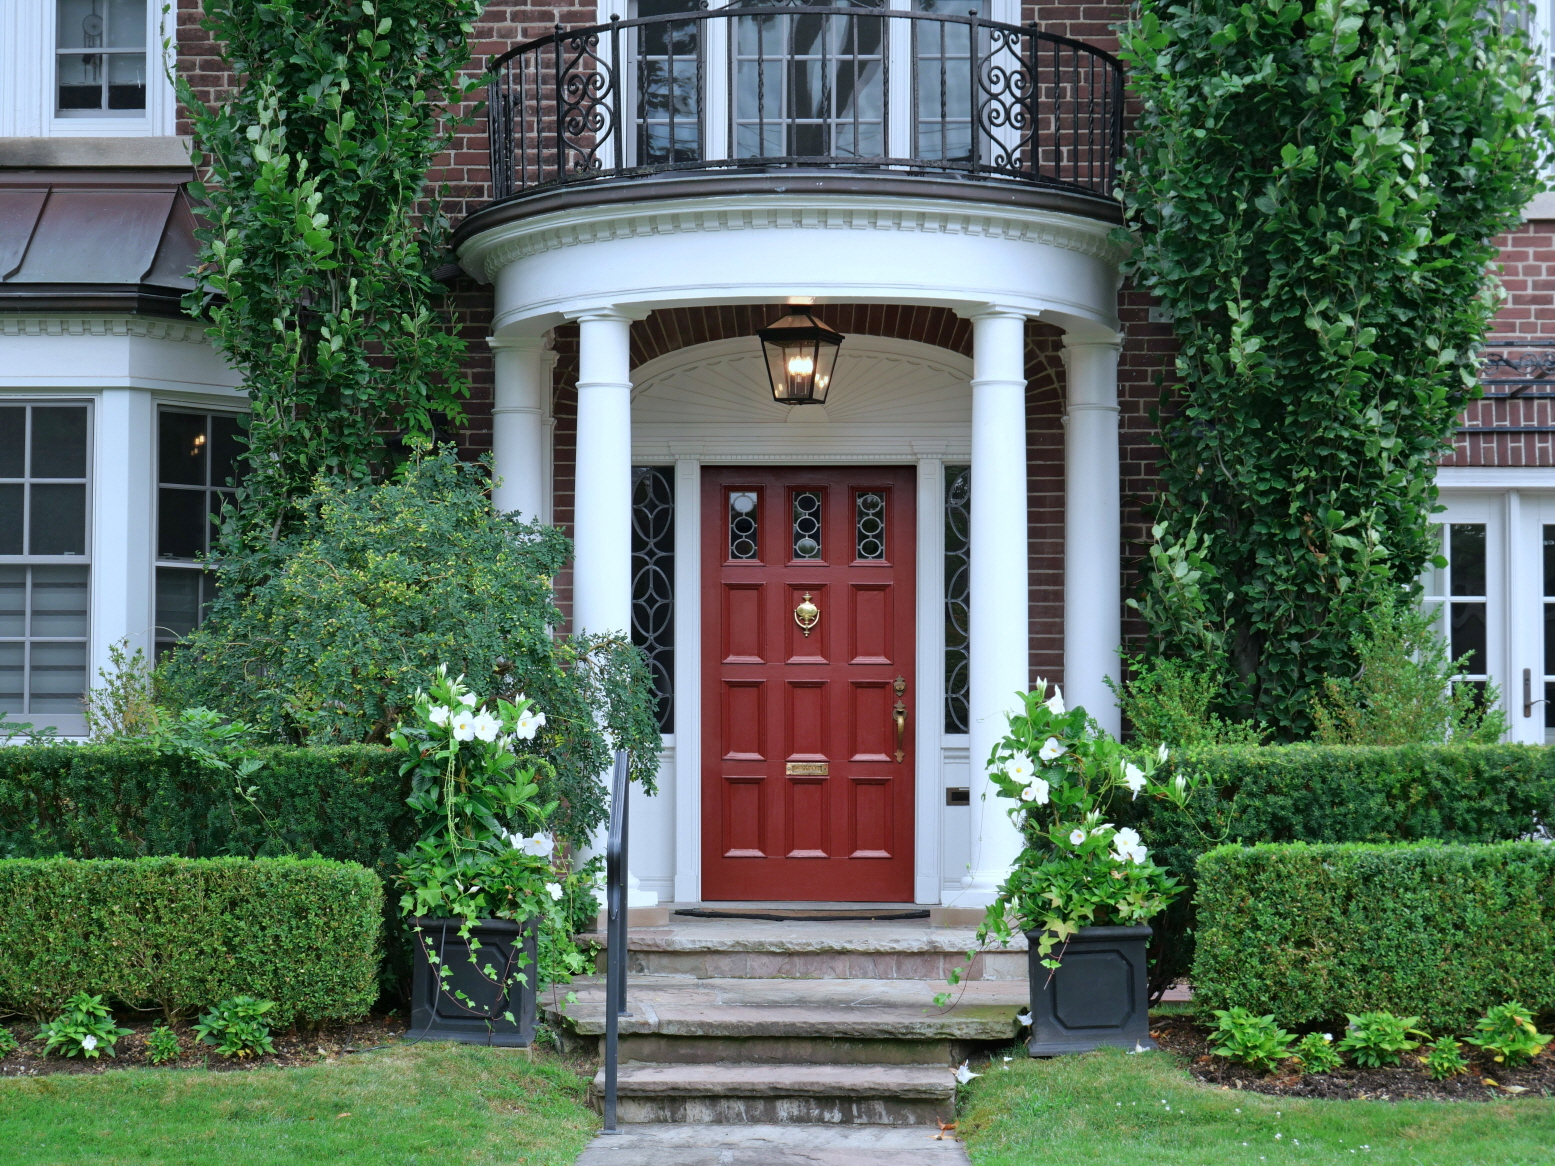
x: 490, y: 251
x: 139, y: 326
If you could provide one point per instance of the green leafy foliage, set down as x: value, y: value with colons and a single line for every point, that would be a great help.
x: 1313, y: 193
x: 124, y: 705
x: 1316, y: 1053
x: 1375, y: 1040
x: 178, y: 933
x: 8, y: 1042
x: 162, y: 1045
x: 1248, y: 1039
x: 1402, y: 692
x: 1508, y: 1034
x: 1312, y: 932
x: 326, y: 636
x: 237, y: 1027
x: 1457, y: 793
x: 1170, y: 702
x: 1445, y: 1059
x: 317, y: 239
x: 86, y: 1027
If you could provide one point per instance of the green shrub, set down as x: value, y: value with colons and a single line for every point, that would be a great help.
x: 1312, y: 932
x: 179, y: 933
x: 8, y: 1042
x: 85, y: 1027
x: 163, y: 1045
x: 1445, y: 1059
x: 237, y: 1027
x: 1508, y: 1034
x: 1316, y: 1053
x: 1251, y: 1040
x: 1375, y: 1040
x: 1306, y: 793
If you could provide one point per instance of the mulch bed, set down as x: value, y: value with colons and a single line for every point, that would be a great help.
x: 292, y: 1049
x: 1485, y: 1081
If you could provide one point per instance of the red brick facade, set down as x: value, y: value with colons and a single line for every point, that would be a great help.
x: 1528, y: 268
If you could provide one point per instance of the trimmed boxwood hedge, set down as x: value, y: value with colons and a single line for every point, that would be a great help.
x: 1309, y: 933
x: 181, y: 934
x: 1310, y: 793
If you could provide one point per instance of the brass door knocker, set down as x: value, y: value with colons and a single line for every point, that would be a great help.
x: 807, y: 615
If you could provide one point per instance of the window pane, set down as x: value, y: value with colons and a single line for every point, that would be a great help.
x: 807, y: 524
x: 870, y: 520
x: 13, y: 600
x: 181, y: 449
x: 58, y: 521
x: 59, y: 601
x: 13, y: 434
x: 1549, y: 639
x: 226, y: 468
x: 78, y: 25
x: 12, y: 507
x: 58, y: 442
x: 181, y: 523
x: 1549, y: 563
x: 57, y: 678
x: 1466, y: 558
x: 1468, y: 635
x: 127, y: 81
x: 127, y: 24
x: 11, y: 672
x: 178, y: 602
x: 743, y: 518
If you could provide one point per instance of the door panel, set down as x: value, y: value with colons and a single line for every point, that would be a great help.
x: 808, y: 784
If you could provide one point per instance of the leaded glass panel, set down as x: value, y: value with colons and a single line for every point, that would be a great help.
x: 653, y: 580
x: 869, y: 521
x: 958, y: 591
x: 807, y: 524
x: 744, y: 520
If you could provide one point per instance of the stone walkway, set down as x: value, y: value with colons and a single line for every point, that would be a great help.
x: 773, y: 1145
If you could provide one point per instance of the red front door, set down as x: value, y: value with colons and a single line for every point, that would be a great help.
x: 807, y: 739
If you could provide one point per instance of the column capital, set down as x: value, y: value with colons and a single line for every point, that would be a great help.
x: 609, y: 312
x: 991, y: 312
x: 1077, y: 342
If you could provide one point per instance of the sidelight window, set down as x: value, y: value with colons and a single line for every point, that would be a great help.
x: 44, y: 571
x: 653, y: 580
x: 958, y: 593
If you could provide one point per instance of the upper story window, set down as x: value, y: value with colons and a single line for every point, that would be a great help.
x: 100, y: 58
x: 44, y: 573
x: 197, y: 468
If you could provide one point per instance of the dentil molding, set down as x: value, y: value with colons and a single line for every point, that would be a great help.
x: 139, y: 326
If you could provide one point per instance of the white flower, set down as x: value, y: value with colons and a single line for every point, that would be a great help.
x: 469, y: 698
x: 528, y: 722
x: 1133, y: 777
x: 1329, y: 1037
x: 1076, y: 837
x: 438, y: 714
x: 964, y: 1074
x: 1095, y: 830
x: 1051, y: 749
x: 463, y: 724
x: 1128, y: 836
x: 540, y: 846
x: 1055, y: 704
x: 554, y: 890
x: 1019, y: 769
x: 486, y: 726
x: 1037, y: 792
x: 89, y: 1042
x: 1023, y: 1019
x: 1162, y: 753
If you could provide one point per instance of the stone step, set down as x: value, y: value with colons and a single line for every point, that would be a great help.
x: 724, y: 949
x: 731, y: 1092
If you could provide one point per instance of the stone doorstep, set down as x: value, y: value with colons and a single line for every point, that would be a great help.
x: 799, y: 936
x: 789, y: 1144
x: 852, y: 965
x: 662, y: 1048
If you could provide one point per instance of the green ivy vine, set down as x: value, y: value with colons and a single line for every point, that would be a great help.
x: 318, y: 233
x: 1312, y: 193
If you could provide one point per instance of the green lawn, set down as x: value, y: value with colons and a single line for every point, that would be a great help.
x: 1111, y: 1107
x: 428, y: 1103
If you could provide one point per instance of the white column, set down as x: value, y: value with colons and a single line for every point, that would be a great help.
x: 520, y: 375
x: 688, y: 677
x: 999, y: 664
x: 928, y: 704
x: 1093, y: 530
x: 123, y: 505
x: 602, y: 521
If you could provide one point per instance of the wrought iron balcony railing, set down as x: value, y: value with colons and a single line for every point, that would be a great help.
x: 797, y: 83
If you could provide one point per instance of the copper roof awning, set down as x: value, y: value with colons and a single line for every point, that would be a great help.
x: 95, y: 241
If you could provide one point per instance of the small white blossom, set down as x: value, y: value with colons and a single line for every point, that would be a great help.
x: 1133, y: 777
x: 486, y: 726
x: 1076, y: 837
x: 438, y: 714
x: 965, y: 1074
x: 1051, y: 749
x: 529, y: 722
x: 469, y: 698
x: 1105, y: 826
x: 463, y: 724
x: 540, y: 846
x: 1162, y: 753
x: 1037, y: 792
x: 554, y: 890
x: 1019, y: 768
x: 1023, y: 1019
x: 89, y: 1042
x: 1055, y: 704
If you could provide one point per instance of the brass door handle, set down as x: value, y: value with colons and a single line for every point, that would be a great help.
x: 899, y: 714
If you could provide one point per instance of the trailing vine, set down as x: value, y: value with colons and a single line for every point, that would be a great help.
x: 1312, y: 194
x: 316, y: 240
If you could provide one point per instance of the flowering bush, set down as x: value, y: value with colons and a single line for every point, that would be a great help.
x: 85, y: 1027
x: 1076, y: 869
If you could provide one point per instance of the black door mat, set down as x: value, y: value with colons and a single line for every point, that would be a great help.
x: 781, y: 915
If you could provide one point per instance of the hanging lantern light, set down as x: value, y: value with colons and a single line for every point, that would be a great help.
x: 801, y: 353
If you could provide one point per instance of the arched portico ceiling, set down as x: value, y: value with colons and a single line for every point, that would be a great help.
x: 891, y: 400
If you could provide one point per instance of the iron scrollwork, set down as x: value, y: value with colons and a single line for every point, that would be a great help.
x: 585, y: 91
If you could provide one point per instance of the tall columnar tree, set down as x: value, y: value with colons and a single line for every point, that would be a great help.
x: 318, y: 237
x: 1313, y: 191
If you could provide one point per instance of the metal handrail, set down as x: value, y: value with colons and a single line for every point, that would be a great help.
x: 615, y: 931
x: 794, y: 84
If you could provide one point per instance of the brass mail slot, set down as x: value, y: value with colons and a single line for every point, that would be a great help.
x: 807, y: 769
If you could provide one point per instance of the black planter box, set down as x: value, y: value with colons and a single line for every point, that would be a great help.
x: 1097, y: 996
x: 437, y: 1013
